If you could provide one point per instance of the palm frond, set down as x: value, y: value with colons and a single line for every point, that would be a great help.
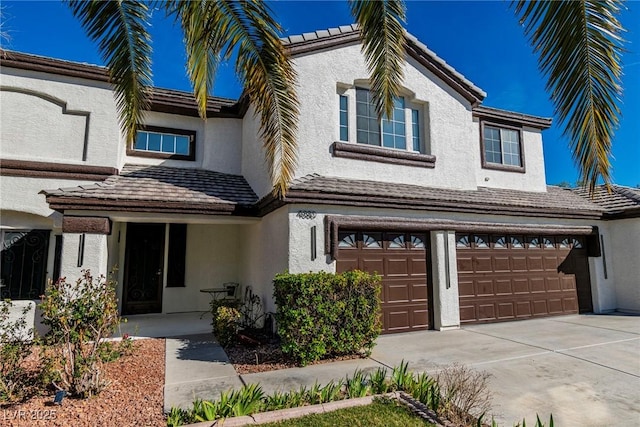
x: 579, y: 45
x: 120, y: 28
x: 383, y: 44
x: 248, y: 30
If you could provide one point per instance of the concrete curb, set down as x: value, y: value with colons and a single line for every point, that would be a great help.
x: 285, y: 414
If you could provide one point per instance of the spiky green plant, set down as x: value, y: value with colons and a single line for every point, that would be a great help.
x: 357, y: 385
x: 401, y: 378
x: 331, y: 391
x: 378, y: 381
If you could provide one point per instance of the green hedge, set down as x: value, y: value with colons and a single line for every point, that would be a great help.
x: 323, y: 314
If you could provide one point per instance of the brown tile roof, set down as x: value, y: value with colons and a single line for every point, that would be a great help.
x: 159, y: 189
x: 555, y: 202
x: 511, y: 116
x: 620, y: 202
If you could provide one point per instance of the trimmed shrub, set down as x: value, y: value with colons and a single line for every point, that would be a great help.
x: 15, y: 347
x: 323, y: 314
x: 225, y: 324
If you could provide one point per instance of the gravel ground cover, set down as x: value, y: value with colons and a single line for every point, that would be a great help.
x: 134, y: 397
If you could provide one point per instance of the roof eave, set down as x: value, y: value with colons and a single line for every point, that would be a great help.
x: 535, y: 122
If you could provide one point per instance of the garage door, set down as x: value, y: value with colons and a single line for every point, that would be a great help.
x: 505, y: 277
x: 401, y: 259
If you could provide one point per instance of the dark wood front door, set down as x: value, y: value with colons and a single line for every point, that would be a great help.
x: 144, y: 260
x: 401, y: 259
x: 508, y: 277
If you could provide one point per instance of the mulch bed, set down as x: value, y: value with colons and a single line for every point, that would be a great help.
x: 248, y: 359
x: 134, y: 397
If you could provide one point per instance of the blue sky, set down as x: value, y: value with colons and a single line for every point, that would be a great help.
x: 481, y: 39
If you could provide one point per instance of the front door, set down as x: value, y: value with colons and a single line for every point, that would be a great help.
x: 144, y: 260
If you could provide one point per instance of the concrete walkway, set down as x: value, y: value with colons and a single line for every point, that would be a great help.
x: 583, y: 369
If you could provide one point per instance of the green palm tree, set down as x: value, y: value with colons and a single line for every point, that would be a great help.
x: 579, y: 45
x: 213, y: 30
x: 578, y: 41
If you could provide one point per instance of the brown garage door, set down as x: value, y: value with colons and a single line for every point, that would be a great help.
x: 401, y: 259
x: 504, y: 277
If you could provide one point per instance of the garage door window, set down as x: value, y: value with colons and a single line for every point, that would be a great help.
x: 372, y: 241
x: 347, y: 241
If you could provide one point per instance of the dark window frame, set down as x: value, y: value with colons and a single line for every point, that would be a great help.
x: 502, y: 166
x: 131, y: 151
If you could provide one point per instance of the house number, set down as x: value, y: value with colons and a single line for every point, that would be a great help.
x: 306, y: 214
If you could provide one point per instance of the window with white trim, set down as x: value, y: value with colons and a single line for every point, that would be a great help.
x: 400, y: 131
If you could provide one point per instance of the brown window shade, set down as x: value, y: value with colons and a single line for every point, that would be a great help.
x: 177, y: 255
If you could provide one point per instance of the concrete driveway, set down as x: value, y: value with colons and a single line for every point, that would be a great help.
x: 584, y: 369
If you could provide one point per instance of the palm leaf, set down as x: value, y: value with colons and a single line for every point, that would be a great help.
x: 579, y: 46
x: 120, y: 28
x: 383, y: 45
x: 215, y: 30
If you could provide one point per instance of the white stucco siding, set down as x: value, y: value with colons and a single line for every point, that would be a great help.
x: 265, y: 253
x: 446, y: 122
x: 300, y: 260
x: 92, y: 255
x: 624, y: 256
x: 254, y: 166
x: 36, y: 127
x: 213, y: 258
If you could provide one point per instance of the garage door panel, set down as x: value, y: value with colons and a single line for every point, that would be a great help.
x: 401, y: 260
x: 506, y: 310
x: 501, y: 264
x: 523, y: 309
x: 465, y: 264
x: 520, y: 285
x: 539, y: 307
x: 397, y: 293
x: 503, y: 287
x: 465, y: 288
x: 482, y: 264
x: 553, y: 284
x: 536, y: 285
x: 551, y: 263
x: 372, y: 264
x: 486, y: 311
x: 535, y: 263
x: 519, y: 264
x: 419, y: 292
x: 530, y: 276
x: 418, y: 267
x: 555, y: 305
x: 484, y: 288
x: 395, y: 267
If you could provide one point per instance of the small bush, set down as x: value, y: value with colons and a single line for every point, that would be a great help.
x: 80, y: 316
x: 465, y: 393
x: 225, y: 324
x: 15, y: 347
x: 323, y: 314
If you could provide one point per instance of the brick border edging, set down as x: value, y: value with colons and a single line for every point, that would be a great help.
x: 416, y: 407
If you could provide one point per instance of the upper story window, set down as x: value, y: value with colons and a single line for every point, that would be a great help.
x: 398, y: 139
x: 501, y: 147
x: 390, y: 132
x: 164, y: 143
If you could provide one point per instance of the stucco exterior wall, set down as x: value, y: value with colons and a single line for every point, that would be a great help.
x: 37, y: 123
x: 448, y: 129
x: 265, y: 253
x: 624, y: 256
x: 254, y: 166
x: 218, y: 142
x: 212, y: 258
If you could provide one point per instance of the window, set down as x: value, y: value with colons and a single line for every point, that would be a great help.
x: 344, y: 118
x: 390, y: 132
x: 164, y: 143
x: 24, y: 263
x: 176, y: 267
x: 501, y: 147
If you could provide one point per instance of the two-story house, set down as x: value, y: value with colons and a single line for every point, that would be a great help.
x: 446, y: 200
